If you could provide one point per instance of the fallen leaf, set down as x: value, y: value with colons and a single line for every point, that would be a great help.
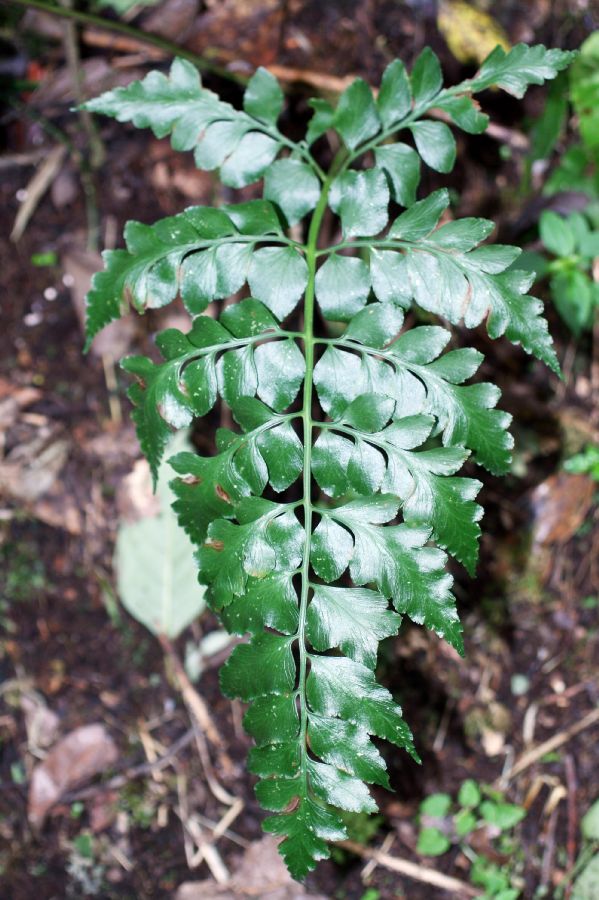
x: 262, y: 873
x: 32, y: 467
x: 64, y: 188
x: 470, y: 33
x: 154, y: 561
x: 41, y: 723
x: 75, y: 759
x: 135, y: 498
x: 172, y: 19
x: 560, y: 505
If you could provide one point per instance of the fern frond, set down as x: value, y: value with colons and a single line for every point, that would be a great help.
x: 359, y: 431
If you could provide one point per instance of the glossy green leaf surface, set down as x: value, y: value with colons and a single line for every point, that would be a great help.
x: 325, y: 512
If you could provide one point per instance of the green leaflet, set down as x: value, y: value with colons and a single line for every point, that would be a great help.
x: 235, y: 361
x: 522, y: 65
x: 325, y: 512
x: 242, y: 144
x: 203, y: 253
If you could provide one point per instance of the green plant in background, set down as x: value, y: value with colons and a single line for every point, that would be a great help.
x: 577, y: 169
x: 445, y: 823
x: 586, y: 462
x: 584, y: 87
x: 585, y: 872
x: 573, y: 241
x: 355, y: 435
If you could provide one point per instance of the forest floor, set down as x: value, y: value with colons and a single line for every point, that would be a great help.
x: 70, y: 656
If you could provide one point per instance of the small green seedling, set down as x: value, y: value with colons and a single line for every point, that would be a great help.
x: 445, y: 823
x: 585, y: 463
x: 573, y: 243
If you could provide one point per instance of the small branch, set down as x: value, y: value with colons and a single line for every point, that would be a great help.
x: 558, y: 740
x: 413, y: 870
x: 192, y: 698
x: 169, y: 48
x: 88, y: 126
x: 572, y: 832
x: 548, y: 840
x: 122, y: 779
x: 36, y: 189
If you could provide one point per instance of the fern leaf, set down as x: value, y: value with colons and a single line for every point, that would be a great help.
x: 359, y: 430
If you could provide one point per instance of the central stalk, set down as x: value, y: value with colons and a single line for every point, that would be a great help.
x: 308, y: 339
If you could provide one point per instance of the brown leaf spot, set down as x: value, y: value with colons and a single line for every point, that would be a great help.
x: 467, y: 299
x: 215, y: 545
x: 220, y: 492
x: 293, y: 805
x: 191, y: 479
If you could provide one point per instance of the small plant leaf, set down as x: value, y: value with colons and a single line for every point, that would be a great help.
x: 516, y: 69
x: 501, y: 815
x: 556, y: 233
x: 469, y: 794
x: 589, y: 824
x: 156, y: 573
x: 436, y: 805
x: 432, y: 842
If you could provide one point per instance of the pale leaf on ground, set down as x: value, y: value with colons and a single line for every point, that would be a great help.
x: 156, y: 572
x: 85, y: 752
x: 262, y: 873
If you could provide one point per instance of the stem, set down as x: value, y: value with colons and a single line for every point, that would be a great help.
x: 169, y: 48
x: 309, y: 342
x: 94, y: 141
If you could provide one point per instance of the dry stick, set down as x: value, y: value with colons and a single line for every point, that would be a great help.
x: 36, y: 189
x: 549, y: 842
x: 123, y: 778
x: 193, y: 700
x: 217, y: 789
x: 168, y: 48
x: 96, y: 147
x: 412, y: 870
x: 532, y: 756
x: 231, y: 835
x: 371, y: 865
x: 572, y: 832
x: 199, y: 712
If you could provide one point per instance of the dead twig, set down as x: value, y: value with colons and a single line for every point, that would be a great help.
x: 371, y: 865
x: 192, y: 836
x: 129, y: 774
x: 548, y: 854
x: 222, y: 795
x: 36, y: 189
x: 413, y: 870
x: 192, y: 698
x: 15, y: 160
x: 558, y: 740
x: 572, y: 831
